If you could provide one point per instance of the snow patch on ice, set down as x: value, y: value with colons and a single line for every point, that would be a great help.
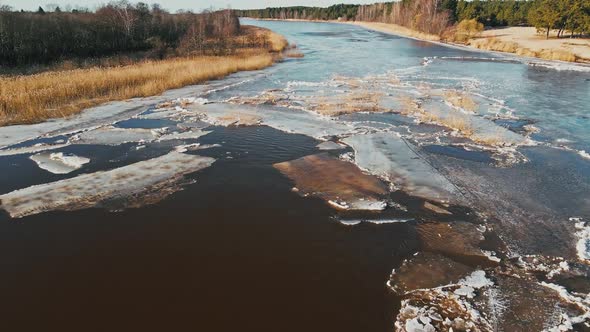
x: 582, y: 303
x: 583, y: 235
x: 491, y: 255
x: 192, y: 100
x: 475, y: 281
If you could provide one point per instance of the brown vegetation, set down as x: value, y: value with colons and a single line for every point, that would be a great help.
x: 352, y: 102
x: 41, y: 38
x: 33, y: 98
x: 495, y: 44
x: 460, y: 124
x: 421, y: 15
x: 461, y: 100
x: 464, y: 31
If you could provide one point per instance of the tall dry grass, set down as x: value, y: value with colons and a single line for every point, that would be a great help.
x: 495, y: 44
x: 34, y: 98
x: 461, y: 100
x: 28, y: 99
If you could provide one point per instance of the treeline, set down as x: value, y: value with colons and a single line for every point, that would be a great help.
x: 495, y: 12
x: 430, y: 16
x: 341, y: 11
x: 435, y: 16
x: 43, y: 38
x: 571, y: 16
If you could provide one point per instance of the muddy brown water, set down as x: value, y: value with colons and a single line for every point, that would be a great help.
x: 236, y: 251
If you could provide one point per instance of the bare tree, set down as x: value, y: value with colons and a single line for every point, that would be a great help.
x: 51, y: 7
x: 125, y: 14
x: 5, y: 8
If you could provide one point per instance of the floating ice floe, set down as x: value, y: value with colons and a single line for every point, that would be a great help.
x: 183, y: 135
x: 426, y: 270
x: 32, y: 149
x: 475, y: 281
x: 192, y: 100
x: 393, y: 158
x: 136, y: 184
x: 440, y: 309
x: 110, y: 135
x: 161, y: 114
x: 194, y: 147
x: 491, y: 255
x: 354, y: 222
x: 453, y: 238
x: 341, y: 184
x: 59, y: 163
x: 292, y: 121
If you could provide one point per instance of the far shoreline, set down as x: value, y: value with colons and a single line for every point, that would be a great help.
x: 488, y: 42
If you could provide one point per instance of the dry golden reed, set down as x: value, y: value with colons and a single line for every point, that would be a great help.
x: 495, y: 44
x: 461, y: 100
x: 34, y: 98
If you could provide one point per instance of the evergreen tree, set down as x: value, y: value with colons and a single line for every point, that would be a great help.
x: 545, y: 16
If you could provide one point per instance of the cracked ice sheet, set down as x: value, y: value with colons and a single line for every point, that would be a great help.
x: 290, y: 120
x: 391, y: 157
x: 94, y: 117
x: 114, y: 136
x: 484, y: 129
x: 143, y: 182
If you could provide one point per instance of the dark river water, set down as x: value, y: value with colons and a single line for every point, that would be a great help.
x: 238, y: 249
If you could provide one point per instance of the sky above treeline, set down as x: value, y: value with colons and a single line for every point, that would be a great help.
x: 174, y: 5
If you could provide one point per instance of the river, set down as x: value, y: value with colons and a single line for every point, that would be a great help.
x: 454, y: 192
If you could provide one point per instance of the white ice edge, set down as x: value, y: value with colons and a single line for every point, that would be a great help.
x: 353, y: 222
x: 583, y: 243
x: 582, y: 304
x: 87, y: 190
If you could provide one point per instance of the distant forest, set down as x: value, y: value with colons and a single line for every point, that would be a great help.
x: 117, y: 28
x: 434, y: 16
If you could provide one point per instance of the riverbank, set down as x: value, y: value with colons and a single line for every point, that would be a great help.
x: 527, y: 42
x: 54, y: 94
x: 522, y: 41
x: 396, y: 30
